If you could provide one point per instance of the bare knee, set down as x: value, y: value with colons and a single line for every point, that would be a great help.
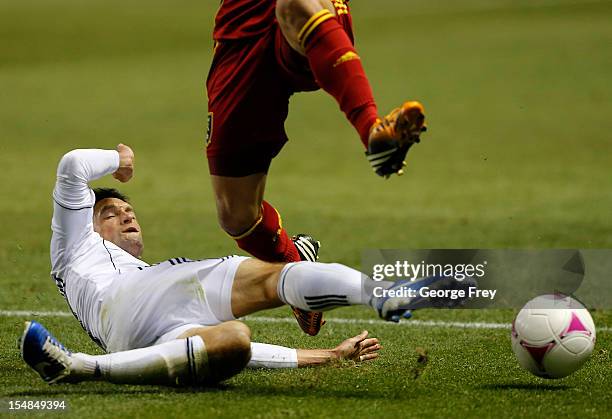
x: 291, y: 11
x: 232, y: 353
x: 292, y: 15
x: 239, y: 334
x: 287, y: 11
x: 228, y: 350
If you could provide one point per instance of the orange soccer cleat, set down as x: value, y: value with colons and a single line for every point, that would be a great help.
x: 309, y: 321
x: 391, y: 138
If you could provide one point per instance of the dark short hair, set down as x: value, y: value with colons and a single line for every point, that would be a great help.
x: 103, y: 193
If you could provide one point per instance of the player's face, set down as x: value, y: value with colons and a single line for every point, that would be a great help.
x: 116, y: 222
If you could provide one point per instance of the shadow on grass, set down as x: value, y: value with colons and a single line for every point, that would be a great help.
x: 103, y: 389
x: 525, y: 386
x: 108, y: 388
x: 321, y: 393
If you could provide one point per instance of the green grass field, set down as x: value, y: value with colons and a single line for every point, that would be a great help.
x: 519, y: 98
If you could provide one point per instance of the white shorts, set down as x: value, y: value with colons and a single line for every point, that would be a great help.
x: 160, y: 302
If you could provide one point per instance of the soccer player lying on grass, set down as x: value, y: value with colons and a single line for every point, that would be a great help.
x: 265, y: 51
x: 174, y: 323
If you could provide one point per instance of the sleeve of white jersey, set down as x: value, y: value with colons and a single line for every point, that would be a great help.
x: 73, y: 199
x: 264, y: 355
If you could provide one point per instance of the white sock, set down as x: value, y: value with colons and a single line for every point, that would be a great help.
x: 272, y: 356
x: 178, y: 362
x: 321, y: 286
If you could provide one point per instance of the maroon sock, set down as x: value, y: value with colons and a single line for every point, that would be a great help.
x: 338, y: 70
x: 268, y: 240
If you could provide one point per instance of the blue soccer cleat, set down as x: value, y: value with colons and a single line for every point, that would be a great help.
x: 408, y: 295
x: 41, y: 351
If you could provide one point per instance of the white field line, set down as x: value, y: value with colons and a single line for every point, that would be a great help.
x: 264, y: 319
x: 26, y: 313
x: 453, y: 325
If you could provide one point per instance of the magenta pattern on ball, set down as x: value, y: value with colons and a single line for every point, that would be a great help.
x: 538, y: 352
x: 576, y: 326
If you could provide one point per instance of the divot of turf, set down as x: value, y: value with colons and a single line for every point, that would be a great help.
x: 421, y: 362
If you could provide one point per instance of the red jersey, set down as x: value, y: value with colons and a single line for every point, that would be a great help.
x: 243, y: 18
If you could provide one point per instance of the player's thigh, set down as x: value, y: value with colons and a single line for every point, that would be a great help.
x: 238, y: 200
x: 248, y: 103
x: 255, y: 287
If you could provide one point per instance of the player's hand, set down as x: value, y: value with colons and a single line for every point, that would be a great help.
x: 358, y: 348
x: 126, y: 163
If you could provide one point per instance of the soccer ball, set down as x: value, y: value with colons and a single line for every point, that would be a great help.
x: 553, y: 335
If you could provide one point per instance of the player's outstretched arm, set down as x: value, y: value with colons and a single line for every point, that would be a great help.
x: 359, y: 348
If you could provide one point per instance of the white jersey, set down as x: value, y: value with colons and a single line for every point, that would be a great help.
x: 121, y: 301
x: 82, y: 263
